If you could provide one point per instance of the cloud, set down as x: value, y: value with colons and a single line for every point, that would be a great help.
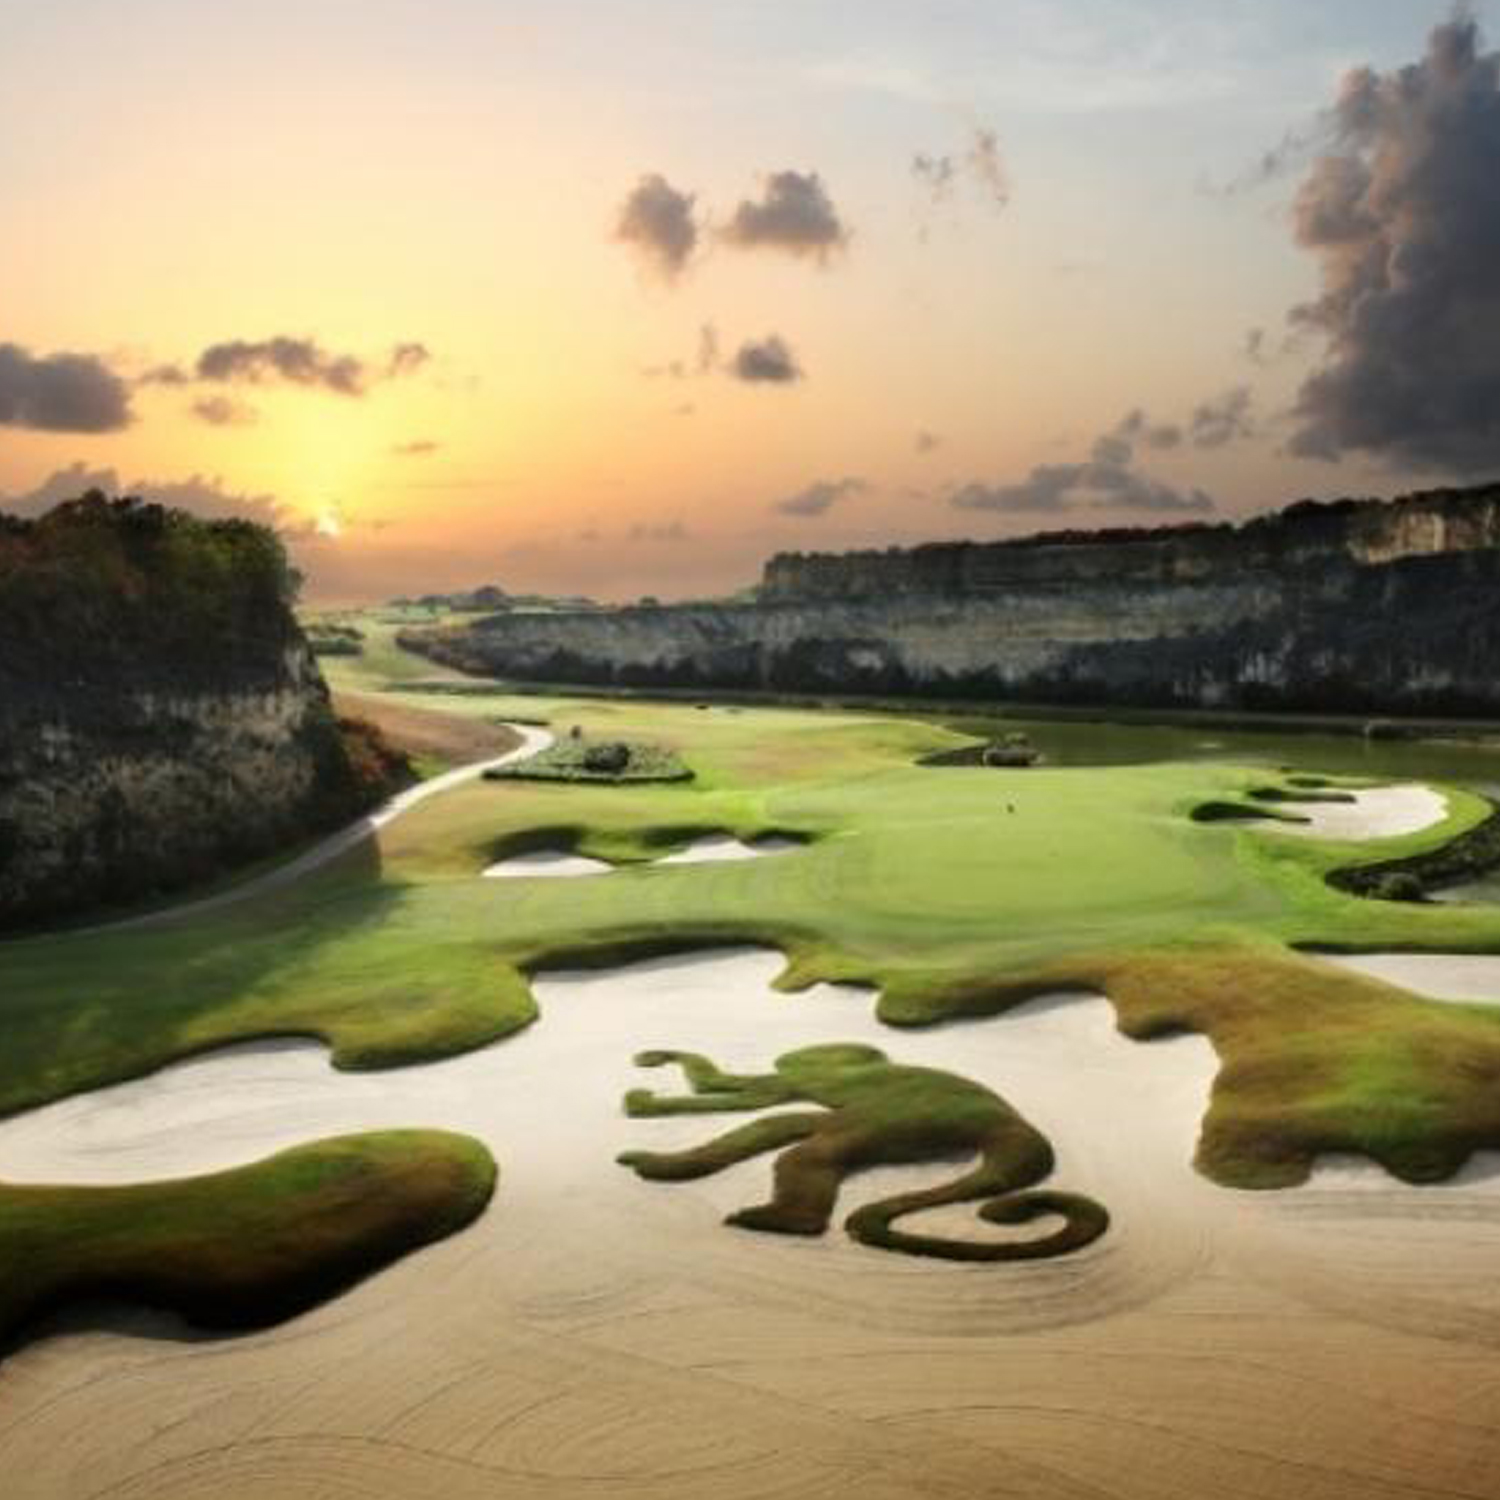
x: 658, y: 223
x: 293, y: 361
x: 767, y: 361
x: 1055, y: 488
x: 926, y: 442
x: 980, y: 163
x: 983, y: 159
x: 1107, y: 480
x: 416, y: 448
x: 705, y: 359
x: 61, y: 392
x: 1225, y: 419
x: 1402, y: 213
x: 407, y: 359
x: 223, y: 411
x: 794, y: 214
x: 820, y: 497
x: 658, y: 531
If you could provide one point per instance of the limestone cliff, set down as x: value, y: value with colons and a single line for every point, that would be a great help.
x: 1383, y: 607
x: 161, y: 715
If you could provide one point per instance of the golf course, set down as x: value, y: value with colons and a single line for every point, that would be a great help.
x: 1117, y: 987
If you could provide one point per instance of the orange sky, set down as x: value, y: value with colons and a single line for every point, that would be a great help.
x: 360, y: 176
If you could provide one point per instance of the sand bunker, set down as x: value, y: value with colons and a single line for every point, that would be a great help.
x: 546, y: 862
x: 594, y: 1333
x: 1379, y: 812
x: 722, y: 846
x: 1460, y: 977
x: 719, y: 846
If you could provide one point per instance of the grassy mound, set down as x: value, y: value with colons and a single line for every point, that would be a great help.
x: 243, y: 1248
x: 610, y: 762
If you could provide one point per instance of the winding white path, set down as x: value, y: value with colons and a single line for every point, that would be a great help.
x: 339, y: 842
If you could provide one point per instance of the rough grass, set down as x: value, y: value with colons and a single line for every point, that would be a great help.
x: 243, y: 1248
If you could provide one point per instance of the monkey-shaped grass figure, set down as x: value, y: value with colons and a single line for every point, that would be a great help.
x: 875, y: 1113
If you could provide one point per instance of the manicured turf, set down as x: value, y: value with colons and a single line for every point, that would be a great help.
x: 875, y: 1112
x: 243, y: 1248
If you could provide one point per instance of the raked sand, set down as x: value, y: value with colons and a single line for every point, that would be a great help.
x: 597, y: 1336
x: 1379, y: 812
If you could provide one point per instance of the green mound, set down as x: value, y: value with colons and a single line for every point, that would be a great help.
x: 610, y: 762
x: 874, y: 1112
x: 243, y: 1248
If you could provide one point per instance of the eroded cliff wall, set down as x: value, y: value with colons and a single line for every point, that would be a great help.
x: 161, y: 716
x: 1365, y: 608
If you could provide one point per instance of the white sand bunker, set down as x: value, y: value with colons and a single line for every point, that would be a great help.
x: 1380, y: 812
x: 1458, y: 977
x: 715, y: 847
x: 545, y: 863
x: 719, y: 846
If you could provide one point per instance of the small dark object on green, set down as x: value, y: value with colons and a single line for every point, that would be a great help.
x: 608, y: 759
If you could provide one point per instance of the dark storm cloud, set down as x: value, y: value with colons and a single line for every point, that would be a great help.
x: 61, y: 392
x: 1403, y: 215
x: 794, y: 214
x: 767, y: 361
x: 658, y: 223
x: 223, y: 411
x: 820, y: 497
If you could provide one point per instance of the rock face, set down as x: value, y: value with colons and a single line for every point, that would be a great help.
x: 161, y: 715
x: 1369, y: 606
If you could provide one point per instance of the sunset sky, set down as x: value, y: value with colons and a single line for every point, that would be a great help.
x: 620, y: 297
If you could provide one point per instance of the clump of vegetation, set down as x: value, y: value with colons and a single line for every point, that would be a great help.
x: 1470, y: 856
x: 609, y: 761
x: 242, y: 1248
x: 379, y: 769
x: 98, y: 587
x: 328, y: 639
x: 874, y: 1112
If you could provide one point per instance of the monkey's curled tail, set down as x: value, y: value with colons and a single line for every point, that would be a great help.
x: 1083, y: 1219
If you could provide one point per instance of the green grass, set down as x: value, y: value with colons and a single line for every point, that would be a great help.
x: 243, y: 1248
x: 874, y: 1112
